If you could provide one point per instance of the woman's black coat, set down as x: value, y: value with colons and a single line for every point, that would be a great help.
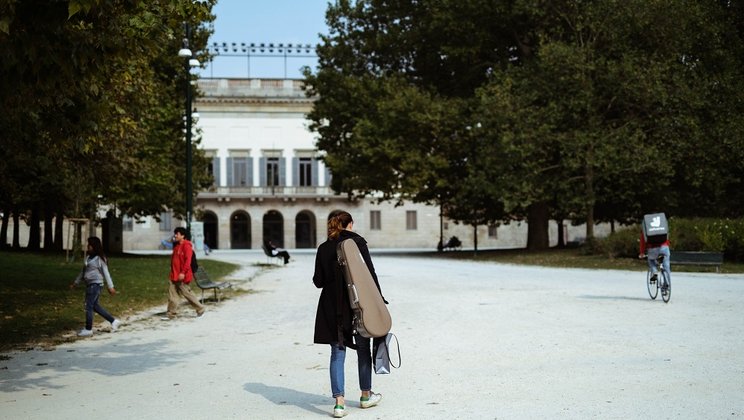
x: 329, y: 278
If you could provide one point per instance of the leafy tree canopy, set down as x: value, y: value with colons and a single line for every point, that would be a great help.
x: 592, y: 111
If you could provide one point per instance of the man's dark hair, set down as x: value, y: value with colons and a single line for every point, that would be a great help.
x: 182, y: 231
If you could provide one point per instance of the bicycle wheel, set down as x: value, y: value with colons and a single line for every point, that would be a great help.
x: 666, y: 286
x: 653, y: 287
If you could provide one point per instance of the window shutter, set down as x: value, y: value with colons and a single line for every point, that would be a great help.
x: 249, y: 171
x: 282, y: 172
x: 262, y: 171
x: 230, y: 181
x: 314, y: 173
x: 216, y: 171
x: 296, y: 171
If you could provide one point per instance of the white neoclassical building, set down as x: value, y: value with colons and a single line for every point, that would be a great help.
x: 270, y: 182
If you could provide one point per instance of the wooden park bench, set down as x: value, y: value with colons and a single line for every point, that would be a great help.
x: 205, y: 283
x: 698, y: 258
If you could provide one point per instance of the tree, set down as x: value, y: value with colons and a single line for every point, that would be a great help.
x: 92, y: 97
x: 595, y: 111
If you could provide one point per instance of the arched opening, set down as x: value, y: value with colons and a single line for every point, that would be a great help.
x: 273, y: 228
x: 305, y: 233
x: 240, y: 230
x: 210, y: 230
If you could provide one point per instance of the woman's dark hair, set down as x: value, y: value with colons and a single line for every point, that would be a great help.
x: 337, y: 222
x: 97, y: 246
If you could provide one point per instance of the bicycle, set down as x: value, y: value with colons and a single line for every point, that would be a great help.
x: 661, y: 280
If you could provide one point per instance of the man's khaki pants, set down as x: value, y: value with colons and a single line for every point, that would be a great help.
x: 178, y: 289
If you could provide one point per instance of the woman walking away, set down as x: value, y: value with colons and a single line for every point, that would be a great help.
x: 93, y: 273
x: 333, y: 320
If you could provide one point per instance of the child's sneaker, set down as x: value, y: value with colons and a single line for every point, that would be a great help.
x: 339, y: 411
x: 371, y: 401
x: 115, y: 325
x: 85, y: 333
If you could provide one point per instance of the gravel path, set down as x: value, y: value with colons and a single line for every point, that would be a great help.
x: 478, y: 340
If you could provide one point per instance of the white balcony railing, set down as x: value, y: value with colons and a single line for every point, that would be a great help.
x: 267, y: 191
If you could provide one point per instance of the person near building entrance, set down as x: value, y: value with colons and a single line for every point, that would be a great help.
x: 181, y: 275
x: 333, y: 320
x: 277, y: 252
x: 93, y: 273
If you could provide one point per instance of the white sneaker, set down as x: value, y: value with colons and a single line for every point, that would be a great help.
x: 85, y: 333
x: 372, y: 401
x: 339, y: 411
x: 115, y: 325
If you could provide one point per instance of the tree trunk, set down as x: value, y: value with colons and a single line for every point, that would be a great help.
x: 34, y: 233
x: 590, y: 223
x: 475, y: 239
x: 59, y: 227
x: 561, y: 238
x: 537, y: 227
x: 4, y: 230
x: 16, y: 230
x: 590, y: 198
x: 48, y: 230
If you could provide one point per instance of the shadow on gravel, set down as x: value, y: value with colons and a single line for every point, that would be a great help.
x: 285, y: 396
x: 614, y: 298
x: 42, y: 372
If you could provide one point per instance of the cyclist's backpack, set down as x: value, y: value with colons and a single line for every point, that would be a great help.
x: 655, y: 228
x: 194, y: 264
x: 371, y: 316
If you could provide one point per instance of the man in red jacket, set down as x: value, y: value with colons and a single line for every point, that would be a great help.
x: 181, y: 275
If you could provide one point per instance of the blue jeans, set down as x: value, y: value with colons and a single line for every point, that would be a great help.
x: 652, y: 253
x: 364, y: 365
x: 92, y: 293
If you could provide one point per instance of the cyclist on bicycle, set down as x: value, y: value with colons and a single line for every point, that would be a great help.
x: 652, y: 251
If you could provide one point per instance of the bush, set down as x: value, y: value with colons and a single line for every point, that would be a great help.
x: 623, y: 243
x: 698, y: 234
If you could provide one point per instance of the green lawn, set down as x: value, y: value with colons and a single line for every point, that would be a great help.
x: 575, y: 258
x: 37, y: 306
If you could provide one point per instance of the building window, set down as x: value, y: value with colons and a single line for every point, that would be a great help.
x: 305, y: 172
x: 272, y: 169
x: 411, y: 223
x: 166, y: 221
x: 493, y: 231
x: 375, y: 221
x: 213, y: 169
x: 127, y: 223
x: 272, y: 172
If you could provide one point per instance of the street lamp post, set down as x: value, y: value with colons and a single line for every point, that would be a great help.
x: 189, y: 62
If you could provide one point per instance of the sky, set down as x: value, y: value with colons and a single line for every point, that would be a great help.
x: 266, y: 21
